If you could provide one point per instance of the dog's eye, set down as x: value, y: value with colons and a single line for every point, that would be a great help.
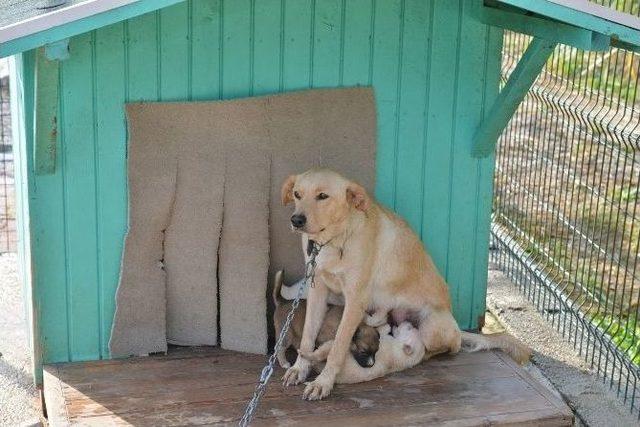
x: 322, y: 196
x: 296, y: 195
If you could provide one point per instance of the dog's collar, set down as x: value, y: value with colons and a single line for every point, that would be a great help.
x: 311, y: 244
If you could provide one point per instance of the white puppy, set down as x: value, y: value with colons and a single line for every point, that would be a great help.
x: 401, y: 349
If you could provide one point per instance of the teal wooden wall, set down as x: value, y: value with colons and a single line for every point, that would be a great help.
x: 434, y: 68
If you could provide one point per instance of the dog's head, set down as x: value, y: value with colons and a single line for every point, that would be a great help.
x: 409, y: 336
x: 364, y: 345
x: 323, y: 202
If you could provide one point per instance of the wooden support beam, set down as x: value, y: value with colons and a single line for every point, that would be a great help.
x: 46, y: 113
x: 513, y: 92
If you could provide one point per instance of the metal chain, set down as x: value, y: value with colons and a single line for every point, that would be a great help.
x: 267, y: 371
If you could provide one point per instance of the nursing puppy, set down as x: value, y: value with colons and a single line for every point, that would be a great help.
x: 398, y: 351
x: 364, y: 344
x: 371, y: 257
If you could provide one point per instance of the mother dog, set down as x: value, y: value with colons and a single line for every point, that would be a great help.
x: 374, y: 259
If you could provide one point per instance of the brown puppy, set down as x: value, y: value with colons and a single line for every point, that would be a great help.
x: 398, y: 351
x: 374, y: 259
x: 364, y: 343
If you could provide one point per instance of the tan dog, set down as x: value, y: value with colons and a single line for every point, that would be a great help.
x: 364, y: 344
x: 371, y: 257
x: 398, y: 351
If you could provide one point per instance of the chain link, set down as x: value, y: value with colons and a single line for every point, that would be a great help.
x: 267, y: 371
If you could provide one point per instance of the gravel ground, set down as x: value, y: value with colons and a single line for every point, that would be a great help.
x: 18, y: 402
x: 585, y: 393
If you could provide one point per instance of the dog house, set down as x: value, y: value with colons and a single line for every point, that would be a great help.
x: 433, y: 67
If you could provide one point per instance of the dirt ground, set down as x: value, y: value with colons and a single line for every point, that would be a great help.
x: 18, y: 396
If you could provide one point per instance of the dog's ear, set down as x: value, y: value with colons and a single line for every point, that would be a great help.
x: 408, y: 350
x: 357, y: 196
x: 286, y: 193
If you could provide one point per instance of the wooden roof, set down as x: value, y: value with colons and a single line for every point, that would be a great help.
x: 26, y: 24
x: 585, y: 14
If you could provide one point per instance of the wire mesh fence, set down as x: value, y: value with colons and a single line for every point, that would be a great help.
x: 8, y: 236
x: 631, y: 7
x: 566, y: 214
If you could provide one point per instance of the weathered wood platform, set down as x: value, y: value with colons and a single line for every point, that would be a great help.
x: 211, y: 387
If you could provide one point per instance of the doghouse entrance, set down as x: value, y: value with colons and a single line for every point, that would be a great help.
x: 212, y: 386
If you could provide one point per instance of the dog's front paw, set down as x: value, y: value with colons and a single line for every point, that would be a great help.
x: 295, y: 375
x: 318, y: 389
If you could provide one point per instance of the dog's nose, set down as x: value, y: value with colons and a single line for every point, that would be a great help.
x: 298, y: 220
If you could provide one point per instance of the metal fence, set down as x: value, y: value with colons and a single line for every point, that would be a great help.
x: 631, y: 7
x: 8, y: 236
x: 566, y: 214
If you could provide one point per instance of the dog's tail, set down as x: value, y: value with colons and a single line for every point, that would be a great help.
x: 505, y: 342
x: 277, y: 286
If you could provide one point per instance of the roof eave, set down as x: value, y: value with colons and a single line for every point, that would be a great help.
x: 619, y: 26
x: 68, y: 22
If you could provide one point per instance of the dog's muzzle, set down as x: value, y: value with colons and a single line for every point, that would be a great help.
x: 365, y: 360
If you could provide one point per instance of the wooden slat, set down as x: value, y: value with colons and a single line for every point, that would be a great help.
x: 78, y: 154
x: 211, y: 388
x: 111, y: 176
x: 46, y: 115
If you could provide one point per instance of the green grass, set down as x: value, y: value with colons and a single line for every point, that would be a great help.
x: 626, y: 194
x: 624, y: 333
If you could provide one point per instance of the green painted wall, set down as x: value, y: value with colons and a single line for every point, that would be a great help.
x: 434, y: 68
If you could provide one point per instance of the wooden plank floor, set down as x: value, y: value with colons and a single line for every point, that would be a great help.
x: 211, y: 387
